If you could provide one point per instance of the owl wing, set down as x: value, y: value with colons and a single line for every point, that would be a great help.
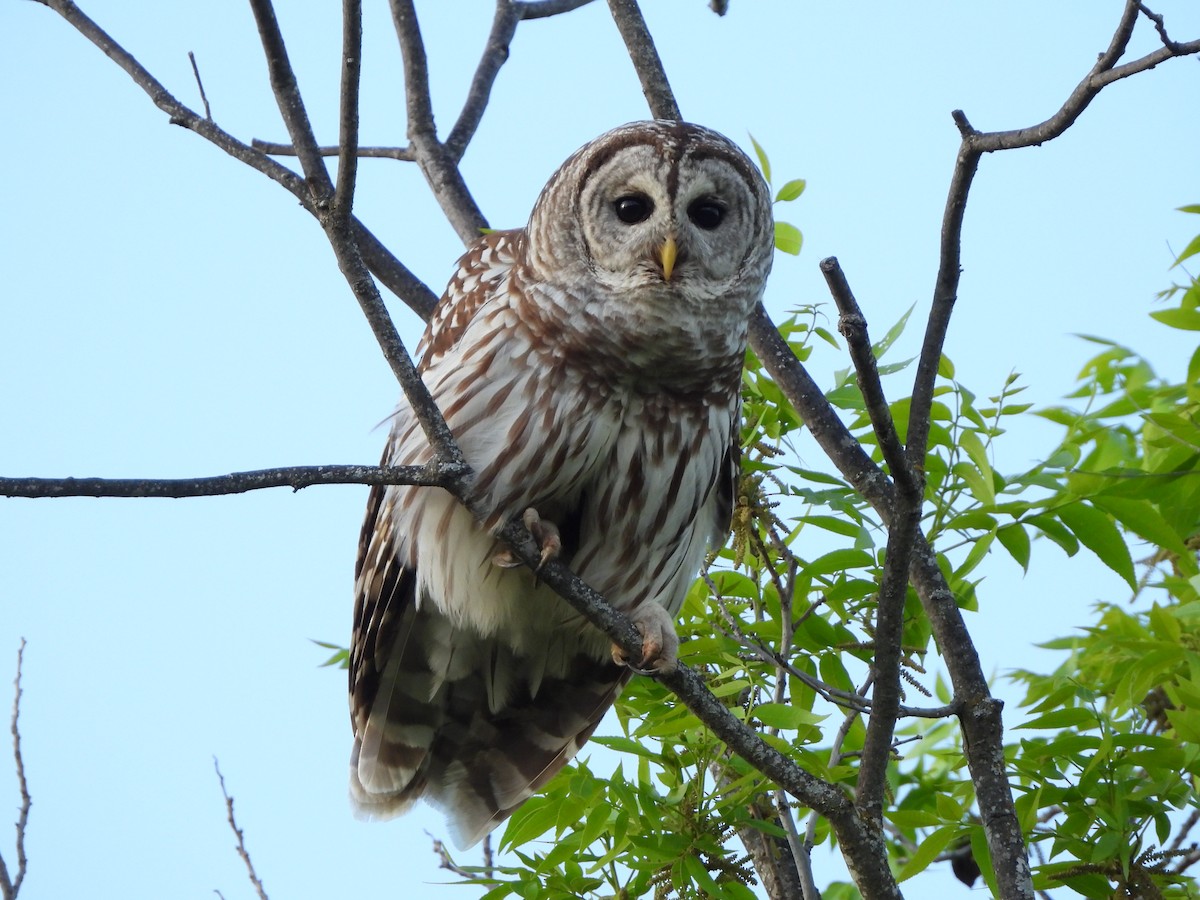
x: 439, y: 710
x: 424, y: 709
x: 484, y: 264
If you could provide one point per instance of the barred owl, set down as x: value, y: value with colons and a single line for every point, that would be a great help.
x: 589, y: 366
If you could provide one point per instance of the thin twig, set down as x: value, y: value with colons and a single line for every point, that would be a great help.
x: 241, y: 840
x: 445, y: 861
x: 1160, y: 27
x: 10, y: 885
x: 275, y: 148
x: 295, y: 477
x: 200, y: 84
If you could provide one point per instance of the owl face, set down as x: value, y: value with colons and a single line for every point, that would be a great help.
x: 663, y: 210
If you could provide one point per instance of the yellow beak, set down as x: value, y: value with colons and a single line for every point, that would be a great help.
x: 666, y: 256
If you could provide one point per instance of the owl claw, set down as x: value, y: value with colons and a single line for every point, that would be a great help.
x: 545, y: 533
x: 660, y: 645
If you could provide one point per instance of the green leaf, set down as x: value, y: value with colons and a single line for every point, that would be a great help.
x: 1183, y: 319
x: 788, y: 238
x: 763, y: 162
x: 1071, y: 717
x: 1190, y: 250
x: 881, y: 346
x: 1015, y: 540
x: 785, y: 715
x: 927, y: 850
x: 791, y: 190
x: 1097, y: 532
x: 839, y: 561
x: 981, y: 486
x: 833, y: 523
x: 1141, y: 517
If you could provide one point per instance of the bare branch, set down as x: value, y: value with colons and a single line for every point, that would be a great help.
x: 853, y: 327
x: 495, y: 54
x: 295, y: 477
x: 645, y: 58
x: 438, y: 164
x: 889, y: 629
x: 540, y: 9
x: 200, y: 85
x: 10, y: 884
x: 241, y: 841
x: 394, y: 275
x: 274, y: 148
x: 291, y: 104
x: 343, y: 198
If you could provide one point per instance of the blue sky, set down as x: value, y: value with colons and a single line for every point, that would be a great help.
x: 168, y: 312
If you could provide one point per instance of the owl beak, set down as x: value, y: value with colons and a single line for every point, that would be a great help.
x: 666, y: 255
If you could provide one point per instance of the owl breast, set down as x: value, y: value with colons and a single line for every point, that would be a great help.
x: 635, y: 477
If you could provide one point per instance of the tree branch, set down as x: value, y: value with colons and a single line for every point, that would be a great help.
x: 889, y: 615
x: 495, y: 54
x: 852, y: 325
x: 295, y: 477
x: 275, y: 148
x: 10, y: 884
x: 438, y: 164
x: 540, y: 9
x: 645, y: 58
x: 978, y: 712
x: 343, y: 198
x: 291, y: 105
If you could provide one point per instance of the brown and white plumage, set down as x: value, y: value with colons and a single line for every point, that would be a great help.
x: 589, y: 367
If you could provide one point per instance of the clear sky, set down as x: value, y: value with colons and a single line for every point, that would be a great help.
x: 167, y: 312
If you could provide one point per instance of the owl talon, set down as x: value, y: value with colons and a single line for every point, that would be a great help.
x: 545, y: 533
x: 660, y: 645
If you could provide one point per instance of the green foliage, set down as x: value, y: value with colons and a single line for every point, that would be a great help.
x: 788, y: 238
x: 782, y: 625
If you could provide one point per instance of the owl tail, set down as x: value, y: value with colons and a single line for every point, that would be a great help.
x: 472, y: 728
x: 485, y: 763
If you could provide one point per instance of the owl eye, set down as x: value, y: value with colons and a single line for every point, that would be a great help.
x: 706, y: 213
x: 633, y: 208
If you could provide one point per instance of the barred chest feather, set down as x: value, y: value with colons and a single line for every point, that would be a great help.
x: 636, y: 478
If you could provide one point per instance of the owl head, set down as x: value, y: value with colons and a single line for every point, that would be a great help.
x: 667, y: 212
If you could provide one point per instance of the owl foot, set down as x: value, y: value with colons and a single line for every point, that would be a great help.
x: 545, y: 533
x: 660, y: 645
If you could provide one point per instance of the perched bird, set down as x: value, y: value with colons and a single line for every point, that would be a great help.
x: 589, y: 366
